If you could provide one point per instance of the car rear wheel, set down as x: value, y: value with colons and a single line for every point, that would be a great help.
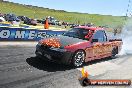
x: 78, y: 58
x: 114, y: 52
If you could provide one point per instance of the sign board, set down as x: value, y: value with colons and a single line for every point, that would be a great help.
x: 21, y: 34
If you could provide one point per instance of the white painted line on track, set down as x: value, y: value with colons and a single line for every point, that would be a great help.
x: 29, y: 44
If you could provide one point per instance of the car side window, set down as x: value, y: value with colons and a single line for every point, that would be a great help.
x: 100, y: 35
x: 82, y: 33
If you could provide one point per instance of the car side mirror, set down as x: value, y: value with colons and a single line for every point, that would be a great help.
x: 94, y: 40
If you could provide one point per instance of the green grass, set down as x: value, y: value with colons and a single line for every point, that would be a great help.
x: 72, y: 17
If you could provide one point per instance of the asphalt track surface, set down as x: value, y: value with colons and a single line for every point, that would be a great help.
x: 19, y: 68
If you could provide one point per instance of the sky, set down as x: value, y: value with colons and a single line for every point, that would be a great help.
x: 104, y: 7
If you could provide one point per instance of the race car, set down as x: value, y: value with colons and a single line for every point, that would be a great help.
x: 78, y: 45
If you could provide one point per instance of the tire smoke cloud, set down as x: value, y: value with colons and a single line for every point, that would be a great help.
x: 127, y: 38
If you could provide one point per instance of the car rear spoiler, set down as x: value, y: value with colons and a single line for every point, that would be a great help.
x: 111, y: 40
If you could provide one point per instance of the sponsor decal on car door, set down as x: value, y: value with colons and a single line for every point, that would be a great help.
x: 107, y: 48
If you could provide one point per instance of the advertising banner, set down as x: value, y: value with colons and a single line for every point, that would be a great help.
x: 21, y: 34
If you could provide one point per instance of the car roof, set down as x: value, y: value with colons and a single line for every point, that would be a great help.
x: 90, y: 28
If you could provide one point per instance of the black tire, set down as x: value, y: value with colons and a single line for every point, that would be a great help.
x: 113, y: 53
x: 78, y: 58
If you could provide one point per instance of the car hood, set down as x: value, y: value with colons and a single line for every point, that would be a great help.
x: 61, y: 41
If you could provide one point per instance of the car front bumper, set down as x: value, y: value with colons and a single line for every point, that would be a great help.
x: 53, y: 55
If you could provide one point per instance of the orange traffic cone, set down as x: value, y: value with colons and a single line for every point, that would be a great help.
x: 46, y: 24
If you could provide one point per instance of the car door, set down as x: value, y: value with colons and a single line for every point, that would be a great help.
x: 106, y: 46
x: 98, y: 44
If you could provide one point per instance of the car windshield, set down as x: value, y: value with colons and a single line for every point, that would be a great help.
x: 77, y: 33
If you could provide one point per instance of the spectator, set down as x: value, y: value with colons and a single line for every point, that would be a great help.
x: 115, y: 32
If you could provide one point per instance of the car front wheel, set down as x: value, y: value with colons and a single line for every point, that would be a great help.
x: 78, y: 58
